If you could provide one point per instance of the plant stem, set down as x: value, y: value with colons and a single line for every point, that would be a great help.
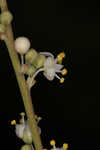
x: 21, y: 82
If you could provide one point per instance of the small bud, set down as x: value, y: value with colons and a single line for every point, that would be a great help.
x: 27, y: 136
x: 22, y: 45
x: 2, y: 28
x: 6, y: 18
x: 31, y: 70
x: 26, y: 147
x: 31, y: 56
x: 39, y: 62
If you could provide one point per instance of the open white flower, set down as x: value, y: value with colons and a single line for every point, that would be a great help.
x: 22, y: 129
x: 51, y: 67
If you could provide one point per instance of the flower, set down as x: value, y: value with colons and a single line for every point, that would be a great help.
x: 51, y: 67
x: 22, y: 129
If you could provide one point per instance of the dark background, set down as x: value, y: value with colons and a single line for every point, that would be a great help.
x: 69, y: 114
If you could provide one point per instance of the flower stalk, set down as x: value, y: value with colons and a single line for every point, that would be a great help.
x: 9, y: 40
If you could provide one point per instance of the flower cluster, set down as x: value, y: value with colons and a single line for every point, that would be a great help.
x: 22, y: 129
x: 33, y: 62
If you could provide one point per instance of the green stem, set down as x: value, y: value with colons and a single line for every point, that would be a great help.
x: 22, y: 83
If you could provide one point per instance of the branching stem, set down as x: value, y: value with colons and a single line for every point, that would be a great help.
x: 21, y: 82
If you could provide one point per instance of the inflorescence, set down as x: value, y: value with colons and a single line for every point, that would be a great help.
x: 33, y: 62
x: 23, y: 132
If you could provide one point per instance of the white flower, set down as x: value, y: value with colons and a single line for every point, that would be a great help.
x: 22, y: 130
x: 19, y: 130
x: 51, y: 67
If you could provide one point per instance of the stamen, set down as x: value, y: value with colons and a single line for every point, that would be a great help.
x: 23, y: 115
x: 57, y: 76
x: 60, y: 57
x: 62, y: 80
x: 64, y: 71
x: 47, y: 54
x: 39, y: 118
x: 52, y: 142
x: 13, y: 122
x: 65, y: 146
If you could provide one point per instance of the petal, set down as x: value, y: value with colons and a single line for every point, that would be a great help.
x: 19, y: 130
x: 49, y: 63
x: 58, y: 67
x: 48, y: 76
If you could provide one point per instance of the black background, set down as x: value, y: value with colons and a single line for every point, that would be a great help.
x: 69, y: 114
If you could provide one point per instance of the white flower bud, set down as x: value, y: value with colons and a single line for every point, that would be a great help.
x: 22, y: 45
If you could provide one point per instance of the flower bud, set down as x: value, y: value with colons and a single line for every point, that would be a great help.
x: 22, y: 45
x: 27, y: 136
x: 31, y: 56
x: 2, y: 28
x: 26, y: 147
x: 31, y: 70
x: 6, y: 18
x: 39, y: 62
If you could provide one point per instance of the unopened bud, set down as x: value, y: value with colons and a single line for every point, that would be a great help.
x: 22, y: 45
x: 6, y: 17
x: 26, y: 147
x: 27, y: 136
x: 39, y: 62
x: 31, y: 56
x: 31, y: 70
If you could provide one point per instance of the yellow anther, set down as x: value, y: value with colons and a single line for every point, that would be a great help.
x: 20, y: 121
x: 65, y: 146
x: 64, y: 72
x: 39, y: 118
x: 13, y: 122
x: 22, y: 114
x: 60, y: 57
x: 62, y: 54
x: 44, y: 149
x: 62, y: 80
x: 52, y: 142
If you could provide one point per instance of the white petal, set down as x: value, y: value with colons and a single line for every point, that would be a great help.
x: 58, y: 67
x: 19, y: 130
x: 48, y: 76
x: 49, y: 63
